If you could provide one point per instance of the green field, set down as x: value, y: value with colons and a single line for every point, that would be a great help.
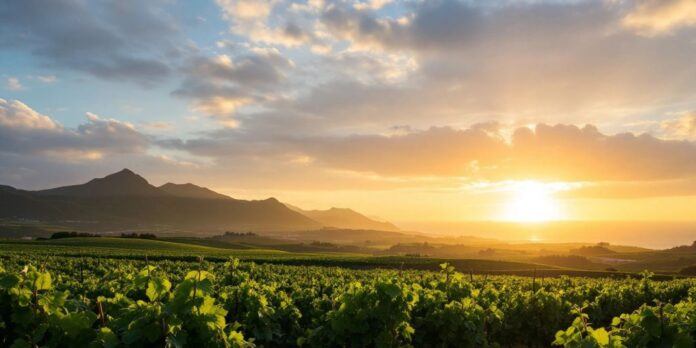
x: 190, y: 249
x: 105, y: 292
x: 155, y: 249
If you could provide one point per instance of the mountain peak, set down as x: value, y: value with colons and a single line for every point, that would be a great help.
x: 123, y: 177
x: 122, y: 183
x: 125, y: 171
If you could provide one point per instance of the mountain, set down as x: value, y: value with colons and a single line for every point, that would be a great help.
x: 123, y: 183
x: 345, y: 218
x: 20, y: 204
x: 191, y: 191
x: 7, y: 188
x: 125, y: 200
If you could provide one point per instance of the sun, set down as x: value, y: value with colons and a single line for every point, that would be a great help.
x: 531, y: 201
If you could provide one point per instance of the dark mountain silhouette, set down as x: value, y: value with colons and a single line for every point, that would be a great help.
x: 123, y: 183
x: 683, y: 248
x: 191, y: 191
x: 334, y: 217
x: 125, y: 200
x: 345, y: 218
x: 23, y: 205
x: 7, y: 188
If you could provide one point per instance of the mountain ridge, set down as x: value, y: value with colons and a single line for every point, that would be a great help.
x: 192, y: 191
x: 345, y: 218
x: 125, y: 199
x: 121, y: 183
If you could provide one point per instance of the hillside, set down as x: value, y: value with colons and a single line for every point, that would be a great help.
x: 123, y: 183
x: 191, y: 191
x: 125, y: 200
x: 594, y: 250
x: 191, y: 248
x: 345, y: 218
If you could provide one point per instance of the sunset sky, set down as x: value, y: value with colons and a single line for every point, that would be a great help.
x: 407, y: 110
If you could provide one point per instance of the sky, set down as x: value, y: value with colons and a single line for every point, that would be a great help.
x: 406, y: 110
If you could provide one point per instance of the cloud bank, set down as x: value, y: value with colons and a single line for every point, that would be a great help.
x: 24, y: 131
x: 324, y: 94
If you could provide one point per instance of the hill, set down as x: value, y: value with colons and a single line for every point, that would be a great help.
x: 683, y: 249
x: 345, y: 218
x: 123, y: 183
x: 125, y: 200
x: 594, y: 250
x: 191, y: 191
x: 189, y: 250
x: 341, y: 218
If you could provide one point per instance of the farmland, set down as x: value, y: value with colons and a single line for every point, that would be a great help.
x: 135, y: 302
x: 133, y: 292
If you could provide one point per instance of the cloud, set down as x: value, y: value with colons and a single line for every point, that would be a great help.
x: 37, y: 152
x: 657, y: 17
x: 377, y: 92
x: 245, y: 9
x: 633, y: 190
x: 42, y: 171
x: 456, y: 62
x: 24, y: 131
x: 564, y: 153
x: 221, y: 84
x: 47, y: 78
x: 680, y: 126
x: 467, y: 27
x: 116, y: 40
x: 440, y: 151
x: 17, y: 115
x: 585, y: 154
x: 369, y: 68
x: 158, y: 126
x: 362, y: 28
x: 683, y: 127
x: 252, y: 19
x: 279, y: 24
x: 13, y: 84
x: 480, y: 152
x: 371, y: 4
x: 437, y: 62
x: 255, y: 69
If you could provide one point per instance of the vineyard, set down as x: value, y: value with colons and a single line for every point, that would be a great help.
x: 59, y: 301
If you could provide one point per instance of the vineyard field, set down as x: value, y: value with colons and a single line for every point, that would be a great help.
x: 57, y: 299
x: 139, y: 249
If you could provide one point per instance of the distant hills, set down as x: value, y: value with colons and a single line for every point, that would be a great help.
x: 126, y: 200
x: 345, y: 218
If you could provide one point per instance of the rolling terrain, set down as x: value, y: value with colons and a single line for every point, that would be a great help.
x: 266, y: 249
x: 187, y: 250
x: 194, y: 220
x: 345, y: 218
x: 127, y: 201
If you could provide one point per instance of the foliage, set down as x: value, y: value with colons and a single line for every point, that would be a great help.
x: 66, y: 234
x: 59, y: 301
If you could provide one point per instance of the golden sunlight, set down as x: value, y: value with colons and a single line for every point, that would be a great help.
x: 531, y: 201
